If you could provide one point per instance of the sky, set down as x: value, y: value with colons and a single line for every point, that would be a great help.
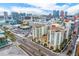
x: 40, y: 7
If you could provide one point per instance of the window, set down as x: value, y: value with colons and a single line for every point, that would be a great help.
x: 37, y: 32
x: 57, y: 39
x: 52, y: 37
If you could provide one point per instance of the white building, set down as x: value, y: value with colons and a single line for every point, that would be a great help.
x: 67, y: 28
x: 3, y: 39
x: 55, y: 36
x: 76, y: 49
x: 38, y: 31
x: 25, y: 24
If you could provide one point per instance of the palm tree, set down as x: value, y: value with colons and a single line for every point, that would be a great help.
x: 57, y: 50
x: 51, y: 47
x: 38, y: 42
x: 13, y: 38
x: 48, y: 42
x: 61, y: 46
x: 10, y: 35
x: 45, y: 45
x: 69, y: 52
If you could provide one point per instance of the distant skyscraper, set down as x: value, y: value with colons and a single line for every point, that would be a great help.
x: 29, y: 14
x: 62, y: 14
x: 66, y: 13
x: 15, y: 16
x: 5, y: 15
x: 56, y: 13
x: 22, y: 16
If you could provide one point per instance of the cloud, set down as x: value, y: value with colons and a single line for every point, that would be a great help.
x: 2, y: 9
x: 41, y: 6
x: 44, y: 5
x: 74, y: 9
x: 27, y: 10
x: 52, y: 6
x: 49, y: 1
x: 65, y: 7
x: 49, y: 6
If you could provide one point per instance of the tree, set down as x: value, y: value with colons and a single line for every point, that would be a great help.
x: 34, y: 40
x: 51, y: 47
x: 48, y: 42
x: 45, y: 45
x: 38, y: 42
x: 70, y: 36
x: 61, y: 46
x: 7, y: 34
x: 10, y: 35
x: 65, y: 40
x: 63, y: 43
x: 69, y: 52
x: 57, y: 50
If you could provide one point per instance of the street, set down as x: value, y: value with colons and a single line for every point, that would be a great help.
x: 11, y: 50
x: 35, y: 47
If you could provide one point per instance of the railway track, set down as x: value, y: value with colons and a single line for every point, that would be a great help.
x: 33, y: 49
x: 26, y: 50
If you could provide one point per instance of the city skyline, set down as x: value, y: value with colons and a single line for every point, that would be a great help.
x: 39, y: 29
x: 40, y: 8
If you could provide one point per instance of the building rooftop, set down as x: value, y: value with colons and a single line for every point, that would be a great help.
x: 1, y: 31
x: 57, y: 28
x: 25, y: 22
x: 38, y: 25
x: 56, y: 24
x: 2, y: 36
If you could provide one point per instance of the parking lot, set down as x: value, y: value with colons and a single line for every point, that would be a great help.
x: 11, y: 51
x: 24, y: 32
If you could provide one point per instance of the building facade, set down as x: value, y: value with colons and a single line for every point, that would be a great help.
x: 76, y: 49
x: 67, y: 28
x: 39, y: 32
x: 56, y: 13
x: 55, y: 36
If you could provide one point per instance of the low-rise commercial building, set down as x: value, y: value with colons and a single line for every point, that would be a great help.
x: 24, y: 24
